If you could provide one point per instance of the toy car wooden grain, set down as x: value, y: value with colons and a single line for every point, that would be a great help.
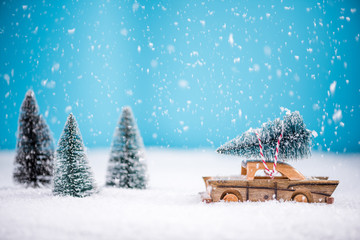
x: 288, y: 184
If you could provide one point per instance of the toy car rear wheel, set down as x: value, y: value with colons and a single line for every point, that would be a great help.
x: 302, y: 196
x: 230, y: 198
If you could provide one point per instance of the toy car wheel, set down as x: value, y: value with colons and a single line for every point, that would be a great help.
x: 302, y: 196
x: 230, y: 198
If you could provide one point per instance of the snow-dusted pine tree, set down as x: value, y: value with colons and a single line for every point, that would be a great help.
x: 295, y: 144
x: 127, y: 168
x: 72, y: 176
x: 35, y: 148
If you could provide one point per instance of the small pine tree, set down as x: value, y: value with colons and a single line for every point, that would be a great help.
x: 295, y: 144
x: 73, y: 176
x: 35, y: 149
x: 126, y: 165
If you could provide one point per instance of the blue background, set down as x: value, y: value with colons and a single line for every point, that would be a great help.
x: 195, y: 73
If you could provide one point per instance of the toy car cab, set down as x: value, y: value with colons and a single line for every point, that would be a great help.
x: 288, y: 185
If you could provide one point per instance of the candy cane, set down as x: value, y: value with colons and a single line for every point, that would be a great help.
x: 262, y: 156
x: 272, y: 172
x: 277, y: 151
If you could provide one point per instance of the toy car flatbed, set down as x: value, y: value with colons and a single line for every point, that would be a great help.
x: 289, y: 185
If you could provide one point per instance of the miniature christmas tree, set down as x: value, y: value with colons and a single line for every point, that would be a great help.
x: 73, y: 176
x: 126, y: 166
x: 295, y: 143
x: 35, y: 149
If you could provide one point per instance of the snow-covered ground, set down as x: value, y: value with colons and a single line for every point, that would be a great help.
x: 171, y: 207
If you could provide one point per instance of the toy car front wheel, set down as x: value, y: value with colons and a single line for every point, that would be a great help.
x: 302, y: 196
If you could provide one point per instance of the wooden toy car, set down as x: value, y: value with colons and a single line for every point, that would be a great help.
x: 288, y: 184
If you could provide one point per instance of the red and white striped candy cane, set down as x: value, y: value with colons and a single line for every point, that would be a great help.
x: 277, y: 152
x: 267, y: 170
x: 272, y: 172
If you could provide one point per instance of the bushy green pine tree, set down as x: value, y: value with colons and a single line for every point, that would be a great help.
x: 295, y: 144
x: 35, y: 148
x: 127, y: 168
x: 73, y: 176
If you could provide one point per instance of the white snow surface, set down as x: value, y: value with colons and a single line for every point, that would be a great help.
x: 171, y: 207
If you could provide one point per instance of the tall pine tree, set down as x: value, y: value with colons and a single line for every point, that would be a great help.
x: 35, y: 149
x: 73, y: 176
x: 127, y: 168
